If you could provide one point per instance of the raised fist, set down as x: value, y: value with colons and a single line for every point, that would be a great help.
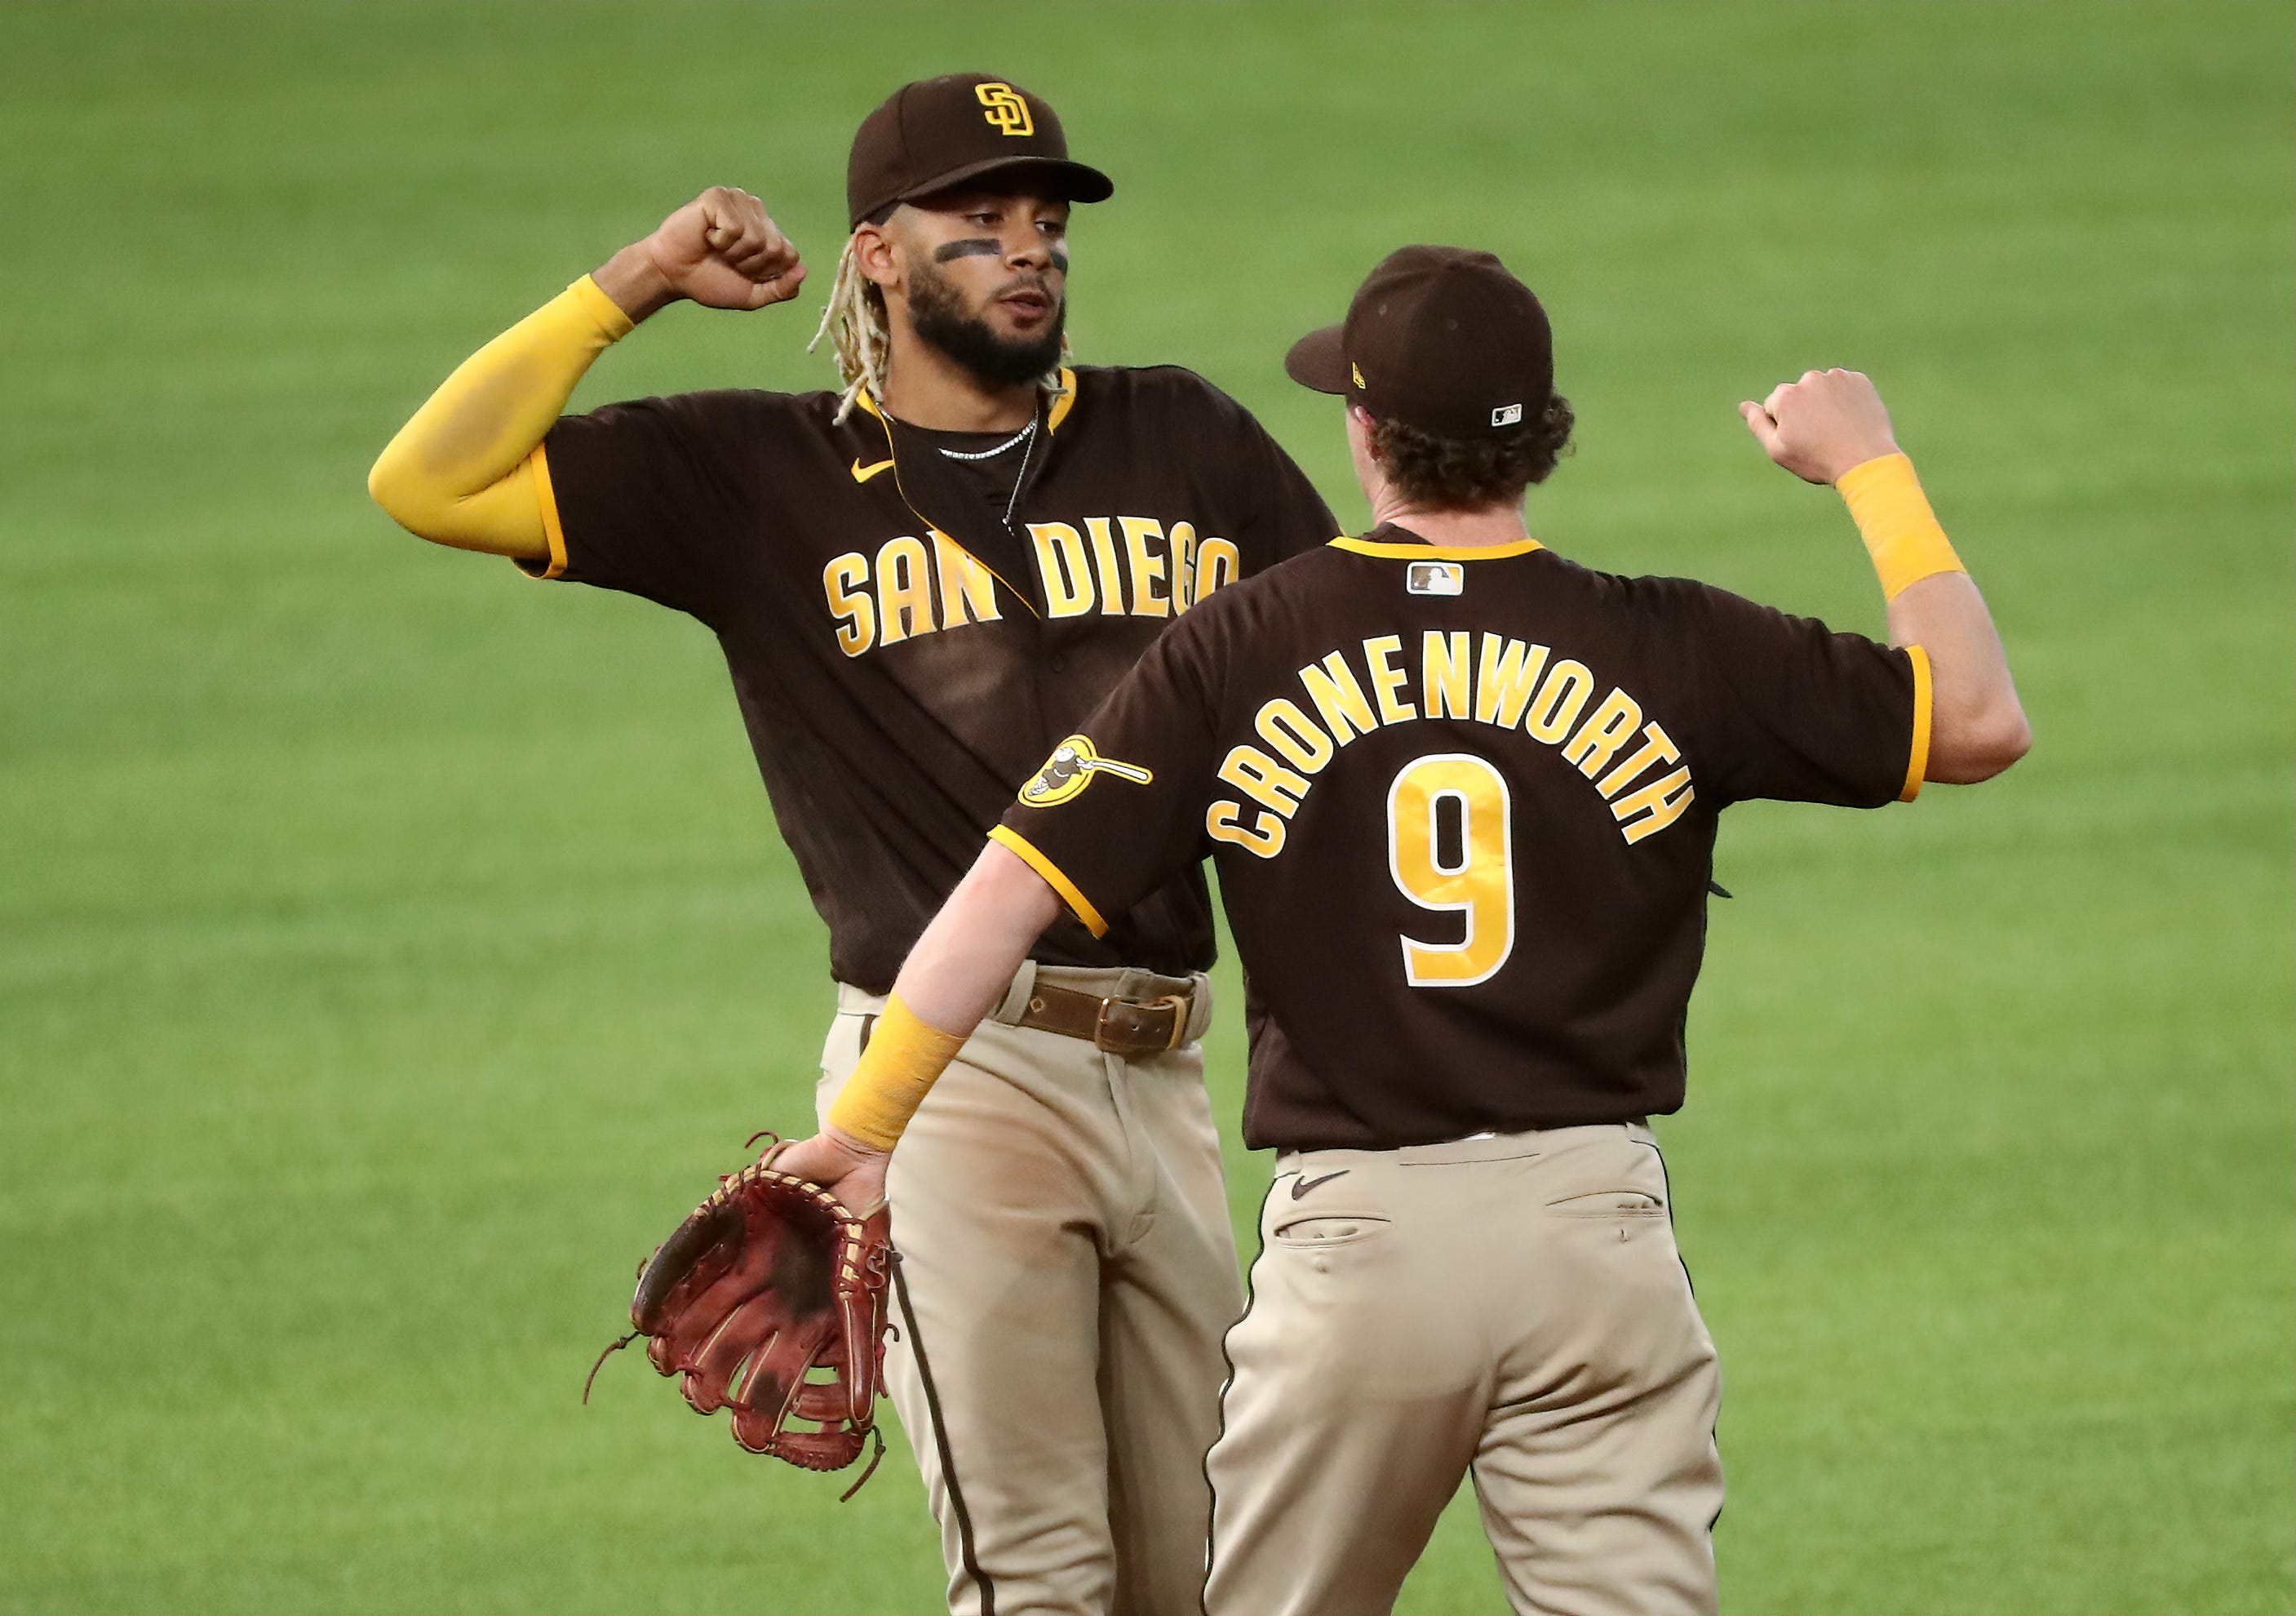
x: 721, y: 251
x: 1822, y: 425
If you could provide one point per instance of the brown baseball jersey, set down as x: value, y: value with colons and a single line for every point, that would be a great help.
x: 911, y: 618
x: 1462, y: 803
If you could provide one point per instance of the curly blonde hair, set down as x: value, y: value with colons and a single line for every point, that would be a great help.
x: 854, y: 320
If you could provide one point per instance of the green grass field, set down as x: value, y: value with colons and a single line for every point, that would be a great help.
x: 392, y: 949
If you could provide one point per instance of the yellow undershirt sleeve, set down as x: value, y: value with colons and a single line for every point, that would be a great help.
x: 1894, y: 517
x: 903, y: 1059
x: 466, y: 469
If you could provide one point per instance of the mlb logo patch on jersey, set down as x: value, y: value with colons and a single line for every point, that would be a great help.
x: 1435, y: 578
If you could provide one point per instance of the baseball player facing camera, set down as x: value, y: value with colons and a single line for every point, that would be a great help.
x: 921, y: 582
x: 1463, y: 794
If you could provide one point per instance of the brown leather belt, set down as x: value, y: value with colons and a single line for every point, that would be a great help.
x: 1119, y: 1026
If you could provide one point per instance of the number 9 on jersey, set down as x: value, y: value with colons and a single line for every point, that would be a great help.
x: 1477, y: 881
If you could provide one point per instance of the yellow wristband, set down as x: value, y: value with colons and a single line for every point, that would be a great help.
x: 903, y: 1059
x: 1894, y: 517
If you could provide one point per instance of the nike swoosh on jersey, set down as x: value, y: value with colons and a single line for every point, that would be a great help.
x: 863, y: 473
x: 1300, y: 1187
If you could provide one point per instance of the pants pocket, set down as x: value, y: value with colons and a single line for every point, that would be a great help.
x: 1341, y: 1207
x: 1611, y: 1178
x: 1328, y: 1229
x: 1608, y: 1203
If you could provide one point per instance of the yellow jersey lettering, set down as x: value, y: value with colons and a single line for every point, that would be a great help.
x: 1660, y: 803
x: 1263, y: 779
x: 1561, y: 699
x: 1147, y: 566
x: 1292, y: 733
x: 1339, y: 700
x: 1444, y: 673
x: 1509, y: 673
x: 1657, y: 747
x: 968, y: 590
x: 846, y: 582
x: 1062, y: 560
x: 1265, y: 839
x: 904, y: 590
x: 1600, y: 737
x: 1387, y: 678
x: 1103, y: 557
x: 1180, y: 544
x: 1218, y: 562
x: 1507, y: 682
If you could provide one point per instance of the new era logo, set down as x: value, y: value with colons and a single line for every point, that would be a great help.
x: 1434, y: 578
x: 1507, y: 414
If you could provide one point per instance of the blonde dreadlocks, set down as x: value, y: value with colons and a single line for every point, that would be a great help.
x: 854, y: 320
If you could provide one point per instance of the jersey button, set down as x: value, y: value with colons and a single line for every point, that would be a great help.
x: 1058, y: 664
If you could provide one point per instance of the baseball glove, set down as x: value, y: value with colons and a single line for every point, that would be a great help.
x: 770, y: 1300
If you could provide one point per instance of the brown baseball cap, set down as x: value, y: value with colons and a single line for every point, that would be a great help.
x: 1438, y: 338
x: 941, y: 132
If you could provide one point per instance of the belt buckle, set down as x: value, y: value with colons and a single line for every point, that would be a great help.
x: 1176, y: 1003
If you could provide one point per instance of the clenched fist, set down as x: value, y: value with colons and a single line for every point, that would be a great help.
x: 721, y: 250
x: 1822, y: 425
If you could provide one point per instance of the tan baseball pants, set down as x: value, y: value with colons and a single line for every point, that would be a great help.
x: 1066, y: 1273
x: 1511, y: 1307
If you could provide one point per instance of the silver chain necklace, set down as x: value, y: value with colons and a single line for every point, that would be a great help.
x: 1028, y: 447
x: 1022, y: 436
x: 1025, y: 436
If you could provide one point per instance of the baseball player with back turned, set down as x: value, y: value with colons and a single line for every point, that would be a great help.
x: 920, y: 584
x: 1464, y: 797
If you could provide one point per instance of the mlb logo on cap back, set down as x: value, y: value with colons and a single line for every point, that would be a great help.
x: 1442, y: 338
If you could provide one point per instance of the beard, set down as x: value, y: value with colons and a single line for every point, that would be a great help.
x: 936, y: 311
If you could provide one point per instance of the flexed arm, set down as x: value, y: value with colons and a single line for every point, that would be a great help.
x: 1831, y: 427
x: 466, y: 469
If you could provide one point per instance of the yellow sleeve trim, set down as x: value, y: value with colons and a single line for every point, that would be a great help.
x: 903, y: 1059
x: 1917, y: 761
x: 554, y: 535
x: 1055, y: 877
x: 1445, y: 553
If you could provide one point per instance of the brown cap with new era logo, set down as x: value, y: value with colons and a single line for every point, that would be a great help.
x: 1440, y: 338
x: 937, y: 133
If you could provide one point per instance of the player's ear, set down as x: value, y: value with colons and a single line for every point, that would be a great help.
x: 1359, y: 426
x: 876, y: 249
